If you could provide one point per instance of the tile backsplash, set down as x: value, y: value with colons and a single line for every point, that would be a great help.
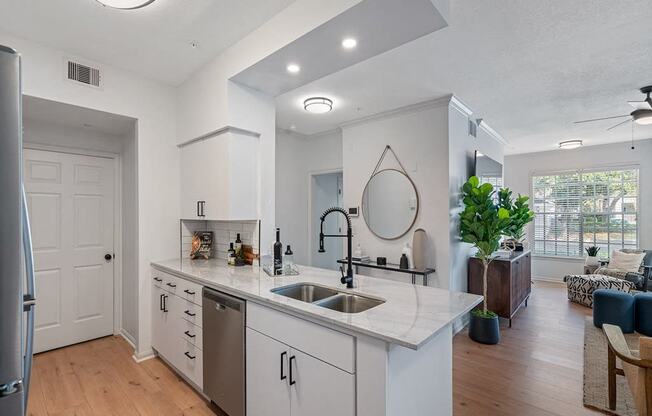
x: 224, y: 232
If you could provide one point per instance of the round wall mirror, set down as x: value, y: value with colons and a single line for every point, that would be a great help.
x: 390, y: 204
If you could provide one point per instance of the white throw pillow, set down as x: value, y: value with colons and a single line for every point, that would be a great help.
x: 629, y: 262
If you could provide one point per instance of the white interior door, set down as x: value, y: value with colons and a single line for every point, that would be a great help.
x: 71, y: 203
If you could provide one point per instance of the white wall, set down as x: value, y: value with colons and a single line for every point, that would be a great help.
x: 324, y: 195
x: 153, y: 105
x: 419, y: 136
x: 519, y: 168
x: 297, y: 157
x: 462, y: 147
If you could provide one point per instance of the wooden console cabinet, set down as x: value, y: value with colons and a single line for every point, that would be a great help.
x: 509, y: 283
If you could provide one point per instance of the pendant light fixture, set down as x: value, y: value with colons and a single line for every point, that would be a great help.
x: 125, y: 4
x: 318, y: 105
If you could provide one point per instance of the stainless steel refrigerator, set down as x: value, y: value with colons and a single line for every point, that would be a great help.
x: 16, y: 262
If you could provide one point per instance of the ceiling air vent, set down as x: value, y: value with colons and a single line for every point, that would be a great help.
x: 83, y: 73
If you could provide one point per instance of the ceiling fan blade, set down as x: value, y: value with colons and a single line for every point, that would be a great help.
x: 622, y: 122
x: 641, y: 105
x: 599, y: 119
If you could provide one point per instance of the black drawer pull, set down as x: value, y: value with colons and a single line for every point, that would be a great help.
x: 165, y: 306
x: 188, y: 292
x: 187, y: 354
x: 160, y: 302
x: 171, y: 285
x: 189, y: 313
x: 158, y: 279
x: 189, y: 334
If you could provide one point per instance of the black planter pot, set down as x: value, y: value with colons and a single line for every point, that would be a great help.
x: 484, y: 330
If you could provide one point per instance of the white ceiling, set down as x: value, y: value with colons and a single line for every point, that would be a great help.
x: 153, y: 41
x: 377, y: 26
x: 528, y: 68
x: 46, y: 111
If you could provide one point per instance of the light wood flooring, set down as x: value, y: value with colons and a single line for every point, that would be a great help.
x: 536, y: 370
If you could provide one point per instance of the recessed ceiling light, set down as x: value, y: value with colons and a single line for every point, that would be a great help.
x: 293, y: 68
x: 570, y: 144
x: 349, y: 43
x: 318, y: 105
x: 643, y: 117
x: 125, y: 4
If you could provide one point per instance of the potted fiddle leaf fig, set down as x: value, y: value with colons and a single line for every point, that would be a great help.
x: 520, y: 215
x: 482, y: 223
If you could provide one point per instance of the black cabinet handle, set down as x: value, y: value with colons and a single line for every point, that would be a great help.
x: 283, y: 376
x: 198, y: 209
x: 165, y: 306
x: 292, y: 380
x: 187, y: 354
x: 189, y: 313
x: 189, y: 292
x: 160, y: 302
x: 189, y: 334
x: 158, y: 279
x: 171, y: 284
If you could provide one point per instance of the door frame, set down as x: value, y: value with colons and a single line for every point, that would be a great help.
x: 311, y: 220
x: 117, y: 218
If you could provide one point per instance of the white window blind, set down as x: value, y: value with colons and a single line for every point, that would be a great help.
x: 574, y: 210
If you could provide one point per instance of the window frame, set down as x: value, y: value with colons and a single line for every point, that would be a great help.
x: 581, y: 172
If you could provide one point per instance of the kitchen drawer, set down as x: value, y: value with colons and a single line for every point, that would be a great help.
x: 170, y: 283
x: 157, y: 278
x: 331, y: 346
x: 191, y: 312
x: 190, y: 291
x: 191, y: 333
x: 189, y: 361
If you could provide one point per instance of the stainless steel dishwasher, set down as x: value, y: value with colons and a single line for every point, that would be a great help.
x: 224, y: 351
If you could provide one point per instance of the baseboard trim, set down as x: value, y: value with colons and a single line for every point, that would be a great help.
x: 548, y: 280
x: 128, y: 337
x: 143, y: 356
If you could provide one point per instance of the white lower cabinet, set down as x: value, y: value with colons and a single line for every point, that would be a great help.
x: 176, y: 326
x: 283, y: 381
x: 268, y: 389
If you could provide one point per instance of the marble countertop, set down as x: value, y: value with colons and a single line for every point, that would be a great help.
x: 410, y: 316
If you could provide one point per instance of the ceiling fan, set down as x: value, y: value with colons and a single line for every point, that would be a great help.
x: 642, y: 113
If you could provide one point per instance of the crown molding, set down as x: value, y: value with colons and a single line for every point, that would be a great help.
x: 412, y: 108
x: 218, y: 132
x: 460, y: 106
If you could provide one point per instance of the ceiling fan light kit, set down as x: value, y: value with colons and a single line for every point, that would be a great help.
x: 641, y: 115
x: 570, y: 144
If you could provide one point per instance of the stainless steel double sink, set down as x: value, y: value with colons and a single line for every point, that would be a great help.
x: 328, y: 298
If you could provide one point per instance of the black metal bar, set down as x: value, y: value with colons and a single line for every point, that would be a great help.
x: 283, y: 376
x: 336, y: 235
x: 187, y: 354
x: 187, y: 312
x: 189, y: 334
x: 188, y: 292
x: 292, y: 380
x: 160, y: 302
x: 165, y: 307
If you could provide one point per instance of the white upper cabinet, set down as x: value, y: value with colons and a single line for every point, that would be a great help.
x: 220, y: 176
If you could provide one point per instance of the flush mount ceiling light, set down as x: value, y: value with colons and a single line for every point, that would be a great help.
x: 570, y: 144
x: 125, y: 4
x: 349, y: 43
x: 293, y: 68
x: 643, y: 117
x: 318, y: 105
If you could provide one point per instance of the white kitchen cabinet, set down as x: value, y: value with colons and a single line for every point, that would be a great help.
x: 318, y: 388
x: 219, y: 176
x: 268, y: 389
x: 284, y: 381
x: 176, y: 326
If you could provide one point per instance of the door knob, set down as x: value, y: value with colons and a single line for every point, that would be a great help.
x: 108, y: 257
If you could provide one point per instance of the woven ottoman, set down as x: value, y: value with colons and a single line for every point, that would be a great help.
x: 581, y: 286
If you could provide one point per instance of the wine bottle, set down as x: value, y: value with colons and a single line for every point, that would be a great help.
x: 278, y: 253
x: 238, y: 246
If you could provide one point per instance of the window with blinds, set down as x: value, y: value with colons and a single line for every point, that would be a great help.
x: 578, y: 209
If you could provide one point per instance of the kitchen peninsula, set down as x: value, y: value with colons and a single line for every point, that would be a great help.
x: 309, y: 358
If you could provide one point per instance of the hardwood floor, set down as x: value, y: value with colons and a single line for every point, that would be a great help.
x: 536, y: 370
x: 100, y: 378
